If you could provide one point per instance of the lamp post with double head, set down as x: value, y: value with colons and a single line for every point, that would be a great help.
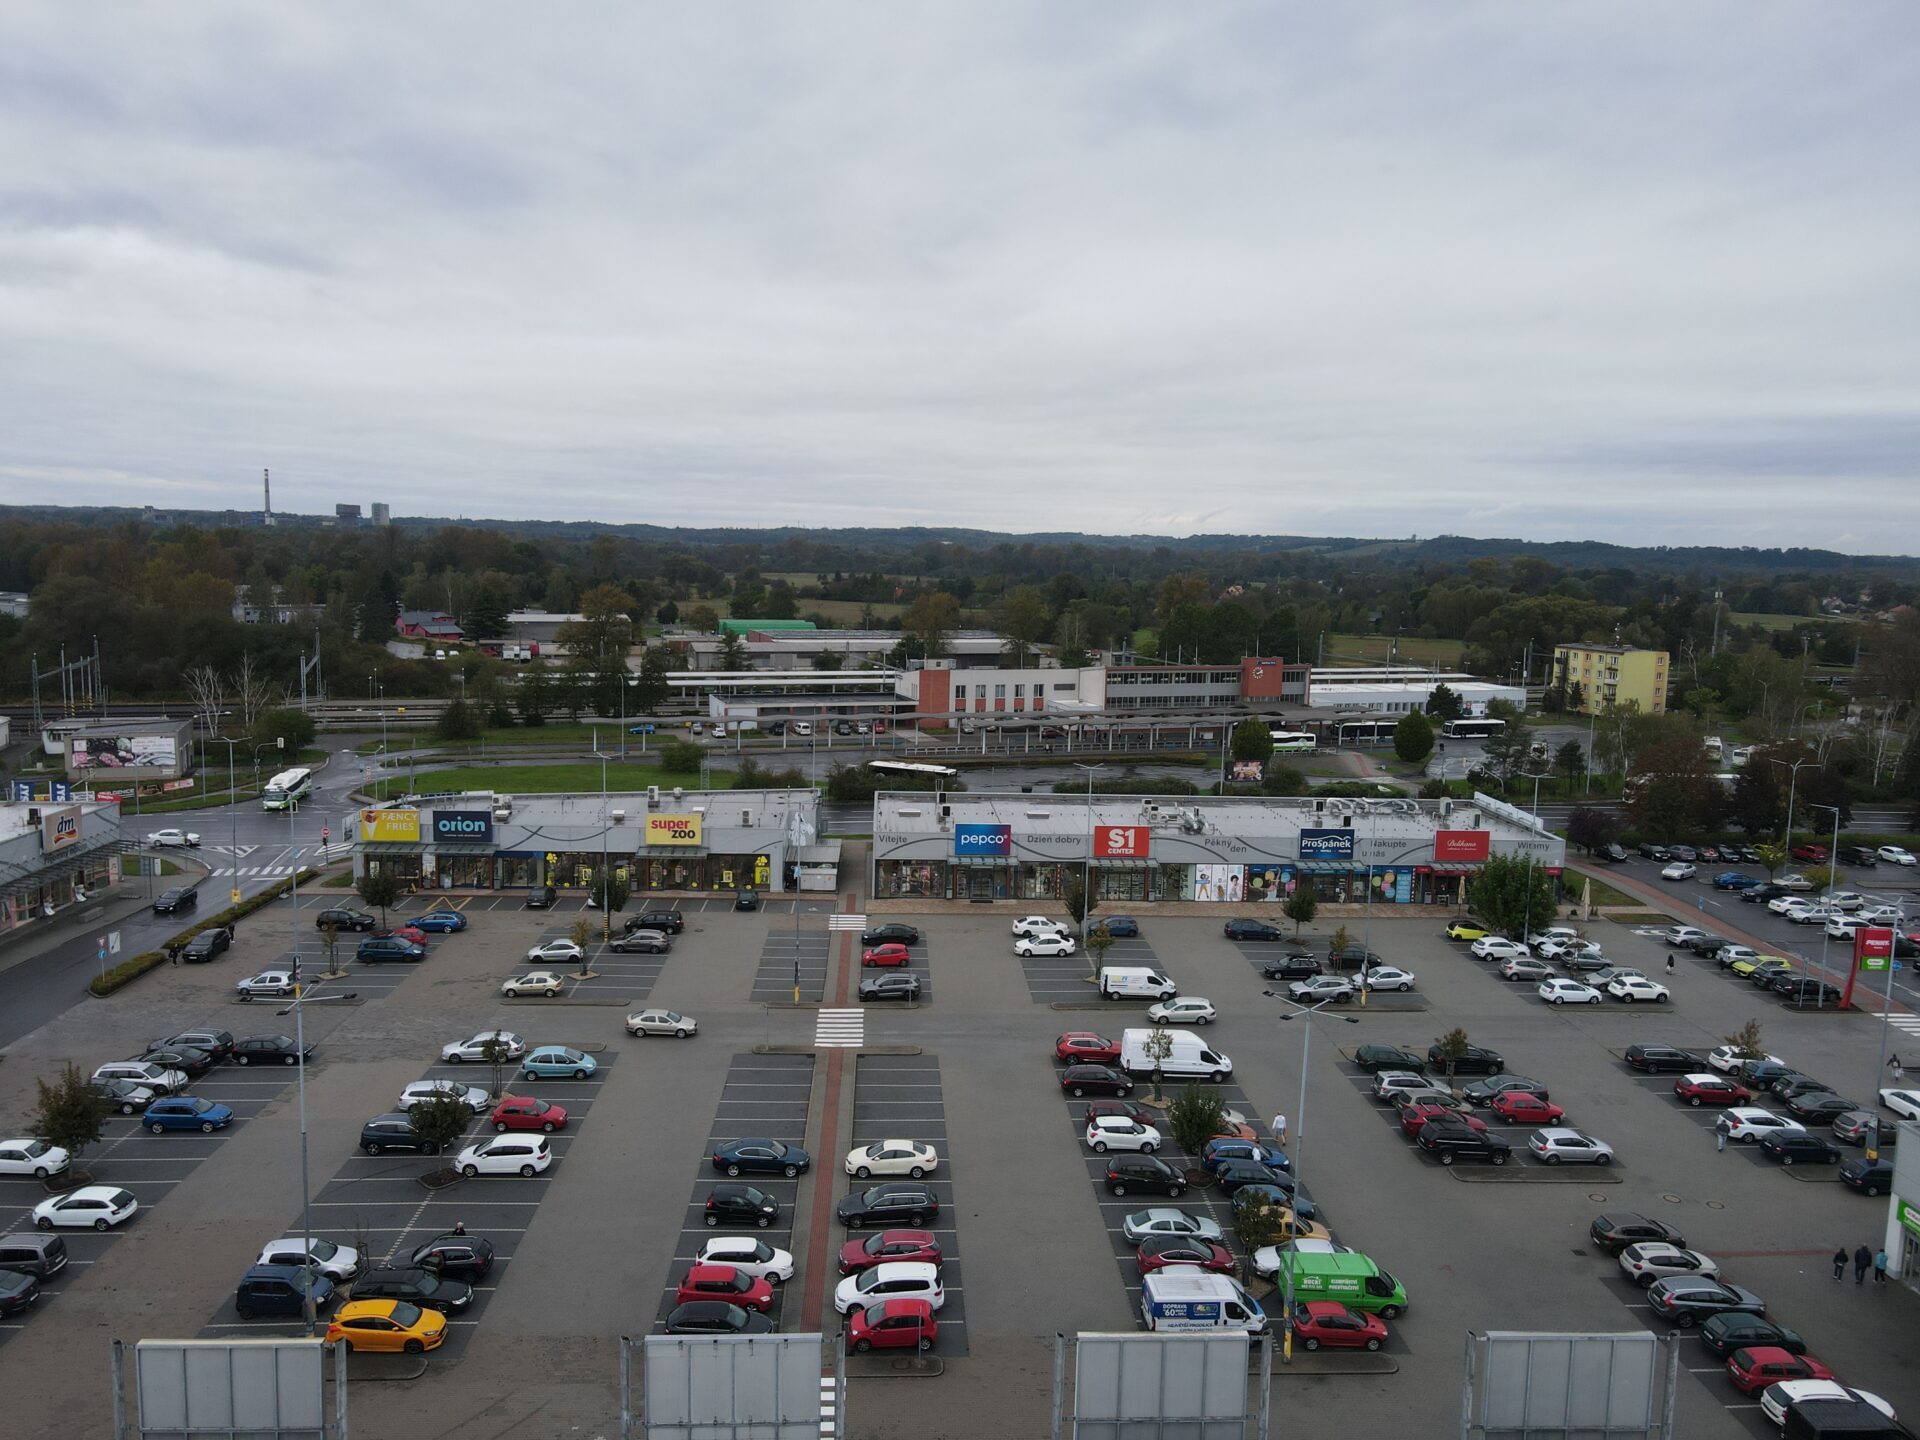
x: 1086, y: 861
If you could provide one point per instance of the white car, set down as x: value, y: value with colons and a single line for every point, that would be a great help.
x: 1028, y: 925
x: 1749, y: 1125
x: 267, y: 982
x: 534, y: 982
x: 912, y: 1158
x: 662, y: 1022
x: 91, y: 1207
x: 554, y: 951
x: 1848, y: 900
x: 1794, y: 881
x: 1678, y: 870
x: 1525, y: 967
x: 1602, y: 978
x: 420, y: 1091
x: 747, y: 1255
x: 509, y: 1154
x: 156, y: 1078
x: 512, y: 1047
x: 1492, y: 947
x: 1727, y: 954
x: 1682, y: 935
x: 892, y: 1280
x: 1883, y: 915
x: 1816, y: 914
x: 1787, y: 904
x: 1387, y: 977
x: 172, y: 840
x: 1167, y: 1220
x: 1550, y: 934
x: 1045, y: 942
x: 1560, y: 991
x: 1560, y: 951
x: 1775, y: 1399
x: 339, y: 1263
x: 1321, y: 987
x: 1182, y: 1010
x: 1121, y: 1132
x: 1728, y: 1059
x: 1653, y: 1260
x: 1895, y: 855
x: 1902, y: 1102
x: 1389, y: 1082
x: 1841, y: 927
x: 1562, y: 1145
x: 1628, y: 989
x: 32, y: 1157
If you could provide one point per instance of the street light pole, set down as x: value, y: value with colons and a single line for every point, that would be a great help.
x: 300, y: 1066
x: 233, y: 822
x: 1793, y: 781
x: 606, y: 822
x: 1086, y: 861
x: 1826, y: 935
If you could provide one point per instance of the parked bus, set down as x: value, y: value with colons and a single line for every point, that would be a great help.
x: 1472, y: 729
x: 1362, y: 734
x: 1294, y: 742
x: 912, y: 770
x: 286, y: 790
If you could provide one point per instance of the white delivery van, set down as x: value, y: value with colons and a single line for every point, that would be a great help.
x: 801, y: 727
x: 1135, y: 982
x: 1189, y: 1057
x: 1182, y: 1297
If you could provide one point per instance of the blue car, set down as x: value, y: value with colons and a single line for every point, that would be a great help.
x: 186, y: 1112
x: 1121, y: 927
x: 1300, y: 1202
x: 557, y: 1062
x: 762, y: 1156
x: 1734, y: 880
x: 1223, y: 1148
x: 440, y: 920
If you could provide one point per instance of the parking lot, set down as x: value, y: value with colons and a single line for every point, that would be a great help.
x: 793, y: 966
x: 1066, y: 979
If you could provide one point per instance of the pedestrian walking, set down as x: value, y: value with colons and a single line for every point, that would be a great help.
x: 1840, y: 1264
x: 1880, y: 1267
x: 460, y: 1228
x: 1899, y: 1070
x: 1279, y: 1128
x: 1669, y: 965
x: 1719, y: 1138
x: 1862, y: 1261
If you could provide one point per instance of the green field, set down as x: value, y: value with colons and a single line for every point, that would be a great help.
x: 576, y: 779
x: 1785, y: 622
x: 1407, y: 650
x: 843, y: 613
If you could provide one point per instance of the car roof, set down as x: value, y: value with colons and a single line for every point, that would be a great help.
x: 924, y: 1270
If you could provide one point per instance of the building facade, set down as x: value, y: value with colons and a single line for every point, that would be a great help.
x: 1609, y: 676
x: 55, y: 857
x: 1400, y: 690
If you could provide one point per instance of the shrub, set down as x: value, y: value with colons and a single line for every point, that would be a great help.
x: 680, y: 757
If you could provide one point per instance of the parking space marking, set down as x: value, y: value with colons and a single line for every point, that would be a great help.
x: 792, y: 962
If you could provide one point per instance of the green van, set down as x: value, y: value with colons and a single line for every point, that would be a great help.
x: 1351, y: 1279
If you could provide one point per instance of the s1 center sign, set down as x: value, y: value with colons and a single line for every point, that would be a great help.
x: 1122, y: 842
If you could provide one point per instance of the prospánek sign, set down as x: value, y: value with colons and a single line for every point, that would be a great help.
x: 1326, y: 844
x: 983, y: 840
x: 1122, y: 842
x: 673, y: 829
x: 471, y: 825
x: 1462, y: 845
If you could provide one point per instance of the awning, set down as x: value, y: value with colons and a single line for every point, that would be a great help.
x: 1453, y: 870
x: 459, y: 847
x: 392, y: 847
x: 1328, y: 867
x: 658, y: 852
x: 1123, y: 864
x: 978, y: 862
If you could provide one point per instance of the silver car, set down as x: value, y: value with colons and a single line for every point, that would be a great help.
x: 661, y: 1022
x: 1168, y: 1220
x: 1526, y: 970
x: 1560, y: 1145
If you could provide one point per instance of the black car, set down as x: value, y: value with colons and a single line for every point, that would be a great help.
x: 1686, y: 1300
x: 1733, y: 1330
x: 343, y: 920
x: 1760, y: 1074
x: 1474, y: 1060
x: 411, y: 1283
x: 1788, y: 1086
x: 1659, y: 853
x: 217, y: 1043
x: 1658, y: 1059
x: 761, y: 1156
x: 645, y: 942
x: 18, y: 1291
x: 1145, y: 1174
x: 376, y: 948
x: 1706, y: 944
x: 1757, y: 894
x: 716, y: 1317
x: 1232, y: 1174
x: 1127, y: 1109
x: 898, y: 1204
x: 746, y: 900
x: 1448, y: 1143
x: 393, y: 1131
x: 890, y: 987
x: 1818, y: 1107
x: 269, y: 1050
x: 1078, y: 1080
x: 1796, y: 1147
x: 894, y: 934
x: 455, y: 1257
x: 1805, y: 993
x: 1354, y: 957
x: 541, y: 897
x: 730, y: 1204
x: 1252, y: 930
x: 1615, y: 1231
x: 1376, y: 1058
x: 1121, y: 927
x: 279, y: 1290
x: 206, y: 945
x: 172, y: 902
x: 193, y: 1062
x: 1864, y: 856
x: 1293, y: 967
x: 671, y: 921
x: 1869, y: 1177
x: 1772, y: 973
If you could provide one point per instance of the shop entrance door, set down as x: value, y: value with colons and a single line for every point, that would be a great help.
x: 980, y: 886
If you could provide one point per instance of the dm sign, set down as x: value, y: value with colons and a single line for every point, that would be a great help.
x: 392, y: 825
x: 983, y: 839
x: 1326, y: 844
x: 59, y: 828
x: 673, y: 829
x: 474, y: 825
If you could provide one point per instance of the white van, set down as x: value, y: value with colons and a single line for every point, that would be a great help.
x: 1134, y: 982
x: 1184, y: 1298
x: 801, y: 727
x: 1190, y: 1056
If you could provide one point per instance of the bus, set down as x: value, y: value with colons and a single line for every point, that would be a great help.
x: 1294, y: 742
x: 1359, y: 734
x: 912, y: 770
x: 286, y: 790
x: 1472, y: 729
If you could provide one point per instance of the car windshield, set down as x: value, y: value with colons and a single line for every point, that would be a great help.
x: 322, y: 1250
x: 406, y: 1315
x: 200, y: 1104
x: 37, y: 1148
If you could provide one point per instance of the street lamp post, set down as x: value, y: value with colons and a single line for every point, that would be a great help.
x: 1086, y: 861
x: 1793, y: 782
x: 300, y: 1067
x: 606, y: 885
x: 233, y: 821
x: 1826, y: 935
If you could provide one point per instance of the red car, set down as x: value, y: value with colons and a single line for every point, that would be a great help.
x: 1412, y: 1117
x: 723, y: 1282
x: 1710, y: 1090
x: 1517, y: 1107
x: 1085, y: 1045
x: 885, y: 1245
x: 404, y: 932
x: 523, y: 1112
x: 1127, y: 1109
x: 886, y: 955
x: 1329, y: 1323
x: 1764, y: 1365
x: 1159, y: 1251
x: 1813, y: 854
x: 893, y: 1325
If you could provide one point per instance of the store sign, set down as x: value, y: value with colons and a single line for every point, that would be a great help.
x: 983, y: 839
x: 473, y: 825
x: 1909, y: 1217
x: 673, y: 829
x: 59, y: 828
x: 1326, y: 844
x: 1122, y: 842
x: 398, y: 826
x: 1459, y: 845
x: 1872, y: 947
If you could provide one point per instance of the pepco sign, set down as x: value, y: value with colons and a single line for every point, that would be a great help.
x: 1118, y: 842
x: 1462, y: 845
x: 983, y: 839
x: 673, y: 829
x: 473, y: 825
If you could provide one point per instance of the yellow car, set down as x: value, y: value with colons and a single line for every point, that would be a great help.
x: 387, y: 1325
x: 1770, y: 964
x: 1291, y: 1228
x: 1467, y: 930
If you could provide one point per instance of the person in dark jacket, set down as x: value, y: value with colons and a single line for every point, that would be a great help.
x: 1862, y: 1262
x: 1840, y: 1264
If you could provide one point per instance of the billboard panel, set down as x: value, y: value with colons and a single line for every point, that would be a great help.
x: 471, y: 825
x: 1122, y: 842
x: 767, y: 1387
x: 1471, y: 846
x: 1143, y: 1387
x: 1326, y: 844
x: 674, y: 829
x: 122, y: 752
x: 1221, y: 883
x: 402, y: 826
x: 59, y: 828
x: 1872, y: 947
x: 983, y: 839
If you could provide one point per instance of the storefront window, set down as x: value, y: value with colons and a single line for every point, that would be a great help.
x: 736, y: 872
x: 466, y: 872
x: 1120, y: 884
x: 1040, y: 882
x: 1173, y: 882
x: 680, y: 873
x: 518, y: 872
x: 913, y: 877
x: 407, y: 867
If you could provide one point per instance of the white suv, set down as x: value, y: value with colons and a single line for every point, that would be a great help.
x: 893, y: 1280
x: 747, y: 1255
x: 1749, y: 1125
x: 1121, y: 1132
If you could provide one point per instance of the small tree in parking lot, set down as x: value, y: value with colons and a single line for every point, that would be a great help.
x: 581, y: 933
x: 330, y: 942
x: 1099, y: 941
x: 494, y: 1053
x: 440, y: 1122
x: 1158, y: 1047
x: 1772, y: 857
x: 1452, y: 1045
x: 1746, y: 1041
x: 1196, y: 1117
x: 70, y: 1113
x: 1076, y: 901
x: 1338, y: 941
x: 1258, y: 1220
x: 1302, y: 905
x: 379, y: 888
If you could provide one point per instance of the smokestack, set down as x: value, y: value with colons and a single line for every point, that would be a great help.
x: 266, y: 492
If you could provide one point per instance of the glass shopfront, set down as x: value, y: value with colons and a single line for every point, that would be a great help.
x: 1110, y: 883
x: 409, y: 868
x: 1042, y: 881
x: 518, y: 872
x: 691, y: 870
x: 926, y: 878
x: 464, y: 872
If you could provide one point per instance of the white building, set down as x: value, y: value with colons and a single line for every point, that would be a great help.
x: 1401, y: 689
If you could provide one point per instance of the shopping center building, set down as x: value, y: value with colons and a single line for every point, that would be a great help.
x: 671, y: 840
x: 55, y: 857
x: 1231, y: 850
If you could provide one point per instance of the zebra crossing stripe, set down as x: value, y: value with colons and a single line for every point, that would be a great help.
x: 840, y: 1030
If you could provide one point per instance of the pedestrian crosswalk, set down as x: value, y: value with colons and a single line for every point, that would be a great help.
x: 1899, y: 1021
x: 840, y: 1030
x: 266, y: 871
x: 829, y: 1407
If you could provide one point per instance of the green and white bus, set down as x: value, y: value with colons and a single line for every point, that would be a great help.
x: 1294, y: 742
x: 286, y: 790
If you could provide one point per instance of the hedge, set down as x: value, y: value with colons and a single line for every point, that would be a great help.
x: 138, y: 965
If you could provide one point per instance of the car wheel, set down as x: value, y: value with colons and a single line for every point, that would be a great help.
x: 1446, y: 1157
x: 238, y: 1060
x: 528, y: 1075
x: 470, y: 1171
x: 1786, y: 1159
x: 1310, y: 1343
x: 1694, y: 1100
x: 546, y: 1127
x: 128, y: 1109
x: 1150, y: 1148
x: 579, y: 1074
x: 733, y: 1170
x: 371, y: 1149
x: 1552, y: 1159
x: 712, y: 1221
x: 854, y: 1222
x: 1218, y: 1077
x: 1116, y: 1189
x: 1124, y: 1091
x: 1204, y: 1020
x: 527, y: 1171
x: 1373, y: 1342
x: 1833, y: 1159
x: 1076, y: 1092
x: 764, y: 1221
x: 1176, y: 1191
x: 500, y: 1127
x: 206, y: 1127
x: 44, y: 1223
x: 1558, y: 1000
x: 1603, y: 1159
x: 245, y: 1312
x: 1870, y: 1190
x: 156, y: 1129
x: 1686, y: 1322
x: 99, y: 1224
x: 1389, y: 1312
x: 1499, y: 1159
x: 916, y: 1172
x: 1626, y: 999
x: 414, y: 1347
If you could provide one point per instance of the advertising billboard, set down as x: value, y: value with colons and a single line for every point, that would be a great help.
x: 122, y: 752
x: 398, y: 826
x: 1122, y: 842
x: 1222, y: 883
x: 470, y: 825
x: 1471, y: 846
x: 1326, y: 844
x: 1872, y: 947
x: 983, y: 840
x: 674, y: 829
x: 59, y: 828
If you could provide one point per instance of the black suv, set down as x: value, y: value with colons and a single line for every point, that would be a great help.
x: 1251, y: 930
x: 393, y: 1131
x: 716, y: 1317
x: 1657, y: 1058
x: 1686, y: 1300
x: 422, y: 1287
x: 671, y: 921
x: 280, y: 1290
x: 1614, y: 1232
x: 734, y: 1204
x: 1293, y: 967
x: 1612, y: 852
x: 1148, y: 1174
x: 1733, y: 1330
x: 1805, y: 991
x: 1864, y: 856
x: 1474, y: 1060
x: 1376, y: 1058
x: 1448, y: 1143
x: 1484, y: 1092
x: 1799, y: 1147
x: 541, y: 897
x: 343, y: 920
x: 646, y: 942
x: 1354, y: 957
x: 894, y: 934
x: 180, y: 897
x: 890, y: 987
x: 456, y: 1256
x: 207, y: 944
x: 912, y: 1205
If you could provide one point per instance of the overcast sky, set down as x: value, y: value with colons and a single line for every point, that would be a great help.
x: 1644, y: 273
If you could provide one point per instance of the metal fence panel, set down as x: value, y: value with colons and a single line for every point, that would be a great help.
x: 231, y: 1387
x: 1550, y: 1386
x: 1160, y: 1387
x: 745, y: 1387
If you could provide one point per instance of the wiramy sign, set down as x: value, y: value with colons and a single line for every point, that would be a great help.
x: 1122, y: 842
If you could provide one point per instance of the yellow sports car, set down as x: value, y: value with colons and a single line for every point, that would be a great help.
x: 1768, y: 964
x: 1467, y: 930
x: 387, y: 1325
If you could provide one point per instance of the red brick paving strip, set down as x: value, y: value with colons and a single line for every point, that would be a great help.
x: 818, y: 1245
